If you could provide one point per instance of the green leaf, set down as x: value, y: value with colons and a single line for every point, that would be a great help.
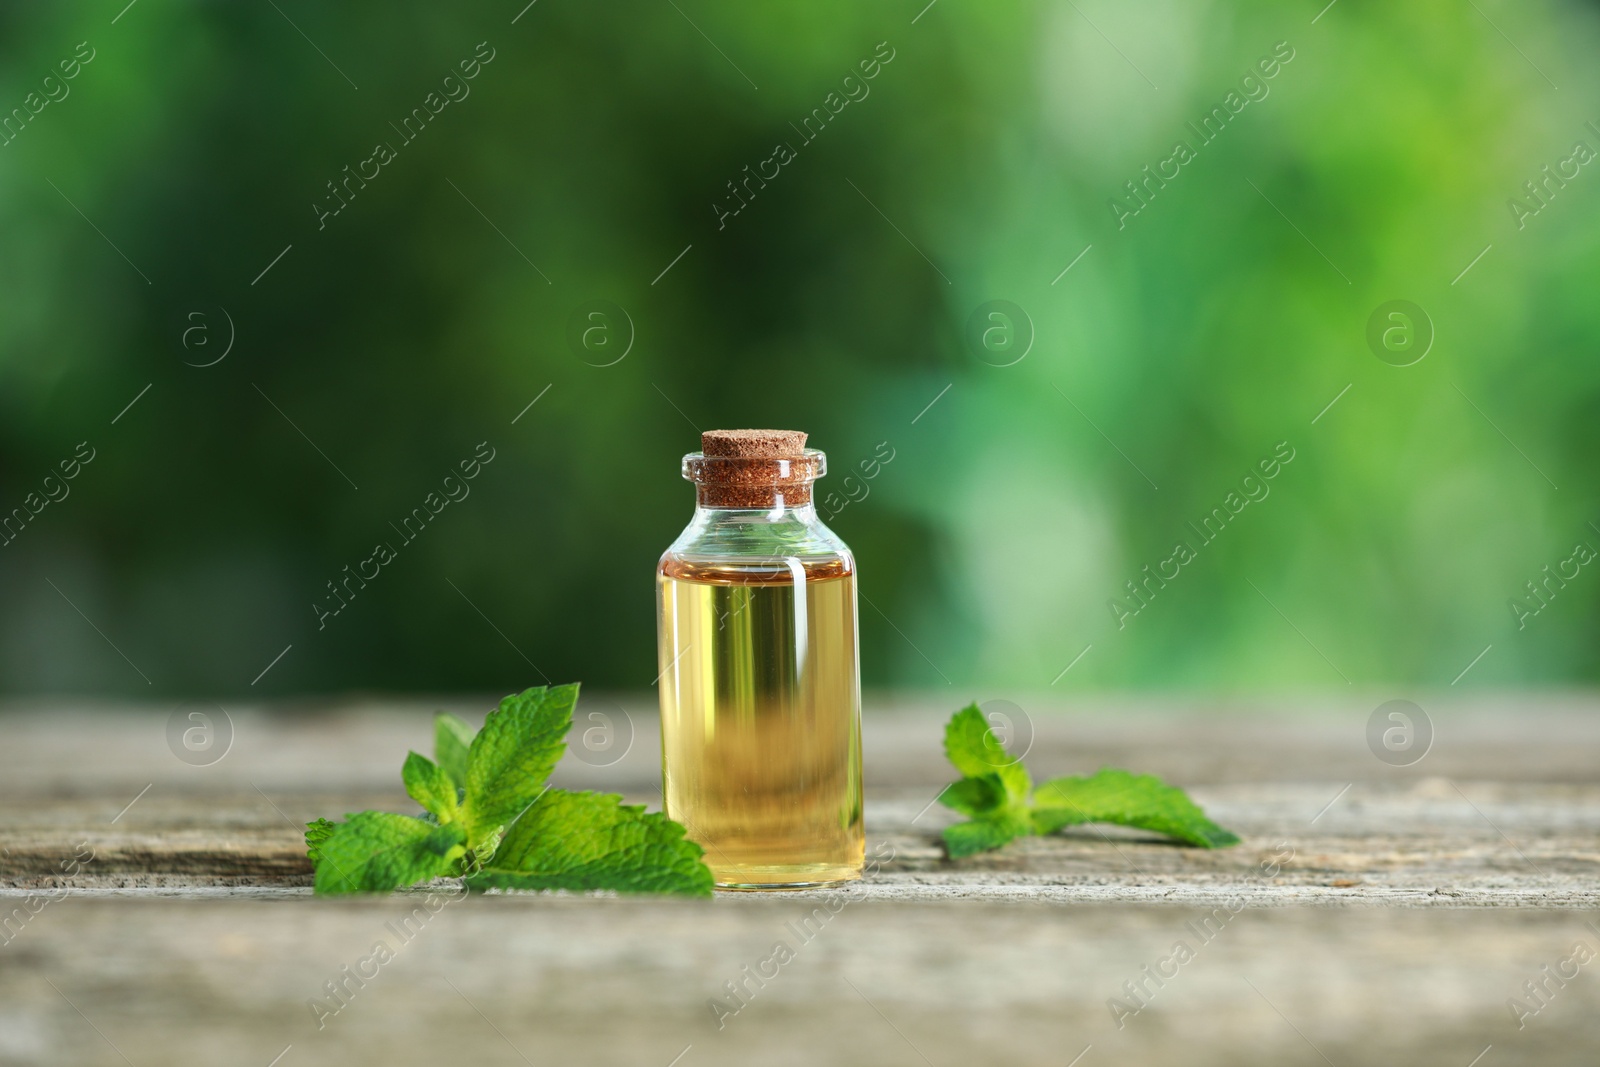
x: 976, y: 797
x: 980, y: 835
x: 511, y: 757
x: 316, y: 833
x: 584, y: 841
x: 975, y: 751
x: 375, y: 852
x: 430, y: 786
x: 452, y: 738
x: 995, y: 792
x: 1138, y: 800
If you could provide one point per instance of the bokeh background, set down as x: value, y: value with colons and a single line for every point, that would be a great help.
x: 1034, y: 471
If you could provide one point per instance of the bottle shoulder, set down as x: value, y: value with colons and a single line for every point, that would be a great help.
x: 756, y: 546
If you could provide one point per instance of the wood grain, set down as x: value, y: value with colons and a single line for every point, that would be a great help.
x: 1372, y: 914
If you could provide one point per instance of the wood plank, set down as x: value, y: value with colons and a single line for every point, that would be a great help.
x: 596, y: 981
x: 1504, y: 811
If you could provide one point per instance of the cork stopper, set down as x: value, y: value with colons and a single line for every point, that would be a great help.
x: 754, y: 444
x: 753, y: 468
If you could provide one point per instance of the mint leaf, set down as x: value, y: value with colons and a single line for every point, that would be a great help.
x: 584, y: 841
x: 996, y: 787
x: 375, y: 852
x: 430, y: 786
x: 994, y: 791
x: 980, y: 835
x: 975, y: 751
x: 1139, y: 800
x: 512, y: 755
x: 452, y: 738
x: 976, y: 797
x: 316, y: 833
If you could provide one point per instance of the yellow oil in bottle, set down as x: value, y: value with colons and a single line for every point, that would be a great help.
x: 760, y: 704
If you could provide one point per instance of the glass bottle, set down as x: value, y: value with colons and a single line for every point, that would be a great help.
x: 760, y: 672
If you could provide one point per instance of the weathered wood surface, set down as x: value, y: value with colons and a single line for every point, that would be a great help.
x: 1405, y: 908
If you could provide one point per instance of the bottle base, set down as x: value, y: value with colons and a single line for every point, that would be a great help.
x: 784, y: 878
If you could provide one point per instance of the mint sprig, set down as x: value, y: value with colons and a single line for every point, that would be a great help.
x: 996, y: 793
x: 490, y: 817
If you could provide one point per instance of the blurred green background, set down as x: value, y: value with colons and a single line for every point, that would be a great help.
x: 1117, y: 401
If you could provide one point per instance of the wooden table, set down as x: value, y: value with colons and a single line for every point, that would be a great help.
x: 1406, y: 906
